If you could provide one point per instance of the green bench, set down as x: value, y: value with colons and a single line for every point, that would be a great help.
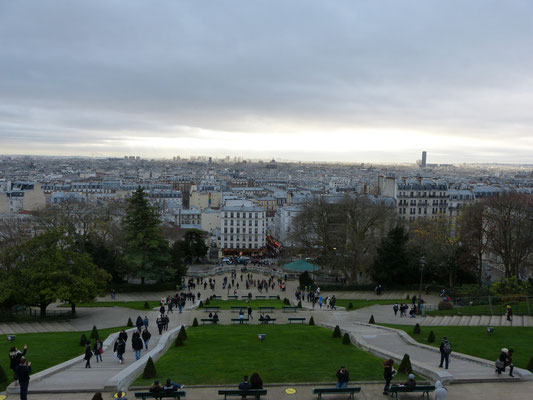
x: 272, y: 297
x: 394, y: 390
x: 260, y: 297
x: 243, y: 393
x: 161, y: 395
x: 266, y: 321
x: 212, y: 320
x: 214, y: 308
x: 291, y: 320
x: 270, y: 309
x: 287, y: 308
x: 350, y: 390
x: 238, y: 320
x: 238, y: 308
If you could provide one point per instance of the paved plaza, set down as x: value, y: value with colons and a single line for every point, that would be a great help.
x: 380, y: 341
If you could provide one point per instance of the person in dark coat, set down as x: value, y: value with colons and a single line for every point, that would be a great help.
x: 256, y: 381
x: 137, y: 344
x: 120, y: 348
x: 123, y: 335
x: 146, y: 337
x: 159, y: 322
x: 245, y: 384
x: 139, y: 323
x: 88, y: 355
x: 343, y: 376
x: 23, y: 372
x: 387, y: 374
x: 98, y: 349
x: 15, y: 355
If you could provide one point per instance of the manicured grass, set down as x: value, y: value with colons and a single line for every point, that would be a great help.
x: 227, y: 304
x: 290, y: 353
x: 498, y: 309
x: 48, y: 349
x: 358, y: 304
x: 135, y: 305
x: 475, y: 341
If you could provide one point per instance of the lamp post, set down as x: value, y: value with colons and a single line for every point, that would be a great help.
x: 422, y: 265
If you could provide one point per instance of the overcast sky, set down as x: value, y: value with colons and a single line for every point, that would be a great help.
x: 305, y: 80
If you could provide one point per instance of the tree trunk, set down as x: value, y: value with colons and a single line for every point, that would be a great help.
x: 142, y: 280
x: 43, y: 310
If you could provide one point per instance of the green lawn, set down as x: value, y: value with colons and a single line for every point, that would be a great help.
x: 47, y: 349
x: 499, y: 309
x: 475, y: 341
x: 290, y: 353
x: 227, y: 304
x: 135, y: 305
x: 357, y: 304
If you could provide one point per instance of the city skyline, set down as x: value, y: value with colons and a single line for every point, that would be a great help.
x: 372, y: 81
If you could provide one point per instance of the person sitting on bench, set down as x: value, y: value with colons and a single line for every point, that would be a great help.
x: 245, y: 384
x: 343, y: 376
x: 171, y: 386
x: 156, y: 387
x: 215, y: 317
x: 411, y: 382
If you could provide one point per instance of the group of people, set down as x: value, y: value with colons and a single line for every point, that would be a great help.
x: 505, y: 359
x: 21, y: 369
x: 97, y: 350
x: 168, y: 387
x: 255, y: 382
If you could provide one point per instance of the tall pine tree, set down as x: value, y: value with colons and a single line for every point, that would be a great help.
x: 147, y: 251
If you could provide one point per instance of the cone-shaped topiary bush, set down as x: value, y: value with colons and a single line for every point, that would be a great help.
x: 130, y: 322
x: 371, y: 320
x: 311, y: 321
x: 350, y: 305
x: 276, y: 297
x: 405, y: 365
x: 182, y: 333
x: 206, y: 302
x: 431, y: 337
x: 83, y: 339
x: 94, y: 333
x: 201, y: 305
x: 337, y: 332
x: 146, y: 305
x: 195, y: 323
x: 149, y: 369
x: 346, y: 339
x: 530, y: 365
x: 3, y: 376
x: 179, y: 341
x: 286, y: 301
x: 416, y: 331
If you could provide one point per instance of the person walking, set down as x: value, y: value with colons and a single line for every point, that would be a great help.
x: 343, y: 376
x: 120, y: 349
x: 137, y: 344
x: 159, y: 322
x: 139, y: 323
x: 15, y: 355
x: 388, y: 373
x: 395, y: 309
x: 509, y: 313
x: 146, y: 338
x: 445, y: 351
x: 23, y: 372
x: 98, y: 349
x: 145, y: 322
x: 250, y: 312
x: 88, y: 355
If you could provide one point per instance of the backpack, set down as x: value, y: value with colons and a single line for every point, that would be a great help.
x: 447, y: 348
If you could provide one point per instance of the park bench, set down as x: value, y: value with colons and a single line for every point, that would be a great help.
x: 243, y: 393
x: 238, y: 308
x: 266, y: 321
x: 234, y: 296
x: 287, y: 309
x: 212, y: 320
x: 394, y: 390
x: 239, y: 320
x: 291, y: 320
x: 270, y: 309
x: 272, y: 297
x: 161, y: 395
x: 213, y: 308
x: 216, y: 296
x: 350, y: 390
x: 260, y: 297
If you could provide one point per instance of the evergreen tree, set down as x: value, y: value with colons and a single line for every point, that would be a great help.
x: 195, y: 322
x: 147, y: 251
x: 346, y: 339
x: 371, y: 320
x: 182, y: 333
x: 431, y: 337
x: 337, y: 332
x: 149, y: 370
x: 395, y: 263
x: 416, y: 331
x: 405, y: 365
x: 311, y: 321
x: 94, y: 333
x: 130, y: 322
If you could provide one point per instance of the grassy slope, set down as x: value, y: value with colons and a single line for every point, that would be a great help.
x: 475, y: 341
x: 499, y: 309
x: 227, y: 304
x: 135, y: 305
x: 291, y: 353
x: 357, y: 304
x: 47, y: 349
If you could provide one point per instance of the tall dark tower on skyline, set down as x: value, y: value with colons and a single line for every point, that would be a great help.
x: 423, y: 163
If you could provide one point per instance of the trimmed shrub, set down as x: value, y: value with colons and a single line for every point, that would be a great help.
x: 94, y: 333
x: 201, y: 305
x: 416, y: 331
x: 405, y: 365
x: 146, y: 305
x: 83, y: 339
x: 250, y: 295
x: 276, y: 297
x: 445, y: 305
x: 206, y: 302
x: 149, y: 370
x: 337, y: 332
x: 431, y: 338
x: 530, y: 364
x: 350, y: 305
x: 130, y: 322
x: 195, y: 323
x: 346, y: 339
x: 311, y: 321
x: 371, y: 320
x: 179, y: 341
x: 299, y: 304
x: 408, y: 297
x: 182, y: 333
x: 286, y: 301
x: 3, y: 376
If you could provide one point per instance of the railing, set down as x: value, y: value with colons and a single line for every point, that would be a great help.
x: 27, y: 313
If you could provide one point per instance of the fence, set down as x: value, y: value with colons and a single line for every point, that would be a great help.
x: 29, y: 314
x: 488, y: 305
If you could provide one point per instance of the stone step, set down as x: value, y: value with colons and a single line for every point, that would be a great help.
x: 455, y: 320
x: 528, y: 320
x: 427, y: 321
x: 465, y: 320
x: 30, y: 328
x: 474, y: 320
x: 446, y: 320
x: 435, y: 321
x: 484, y: 320
x: 518, y: 320
x: 495, y: 320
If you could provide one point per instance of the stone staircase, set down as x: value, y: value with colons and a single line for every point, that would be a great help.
x: 477, y: 320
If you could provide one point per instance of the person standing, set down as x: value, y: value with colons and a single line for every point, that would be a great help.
x: 139, y: 323
x: 395, y: 309
x: 445, y: 351
x: 15, y: 355
x: 88, y: 355
x: 146, y: 338
x: 509, y: 313
x: 145, y: 322
x: 23, y: 372
x: 343, y: 376
x: 98, y: 349
x: 159, y: 322
x: 137, y: 344
x: 388, y: 373
x: 440, y: 391
x: 120, y: 349
x: 250, y: 312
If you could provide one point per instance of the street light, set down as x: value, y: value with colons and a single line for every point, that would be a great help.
x: 422, y: 265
